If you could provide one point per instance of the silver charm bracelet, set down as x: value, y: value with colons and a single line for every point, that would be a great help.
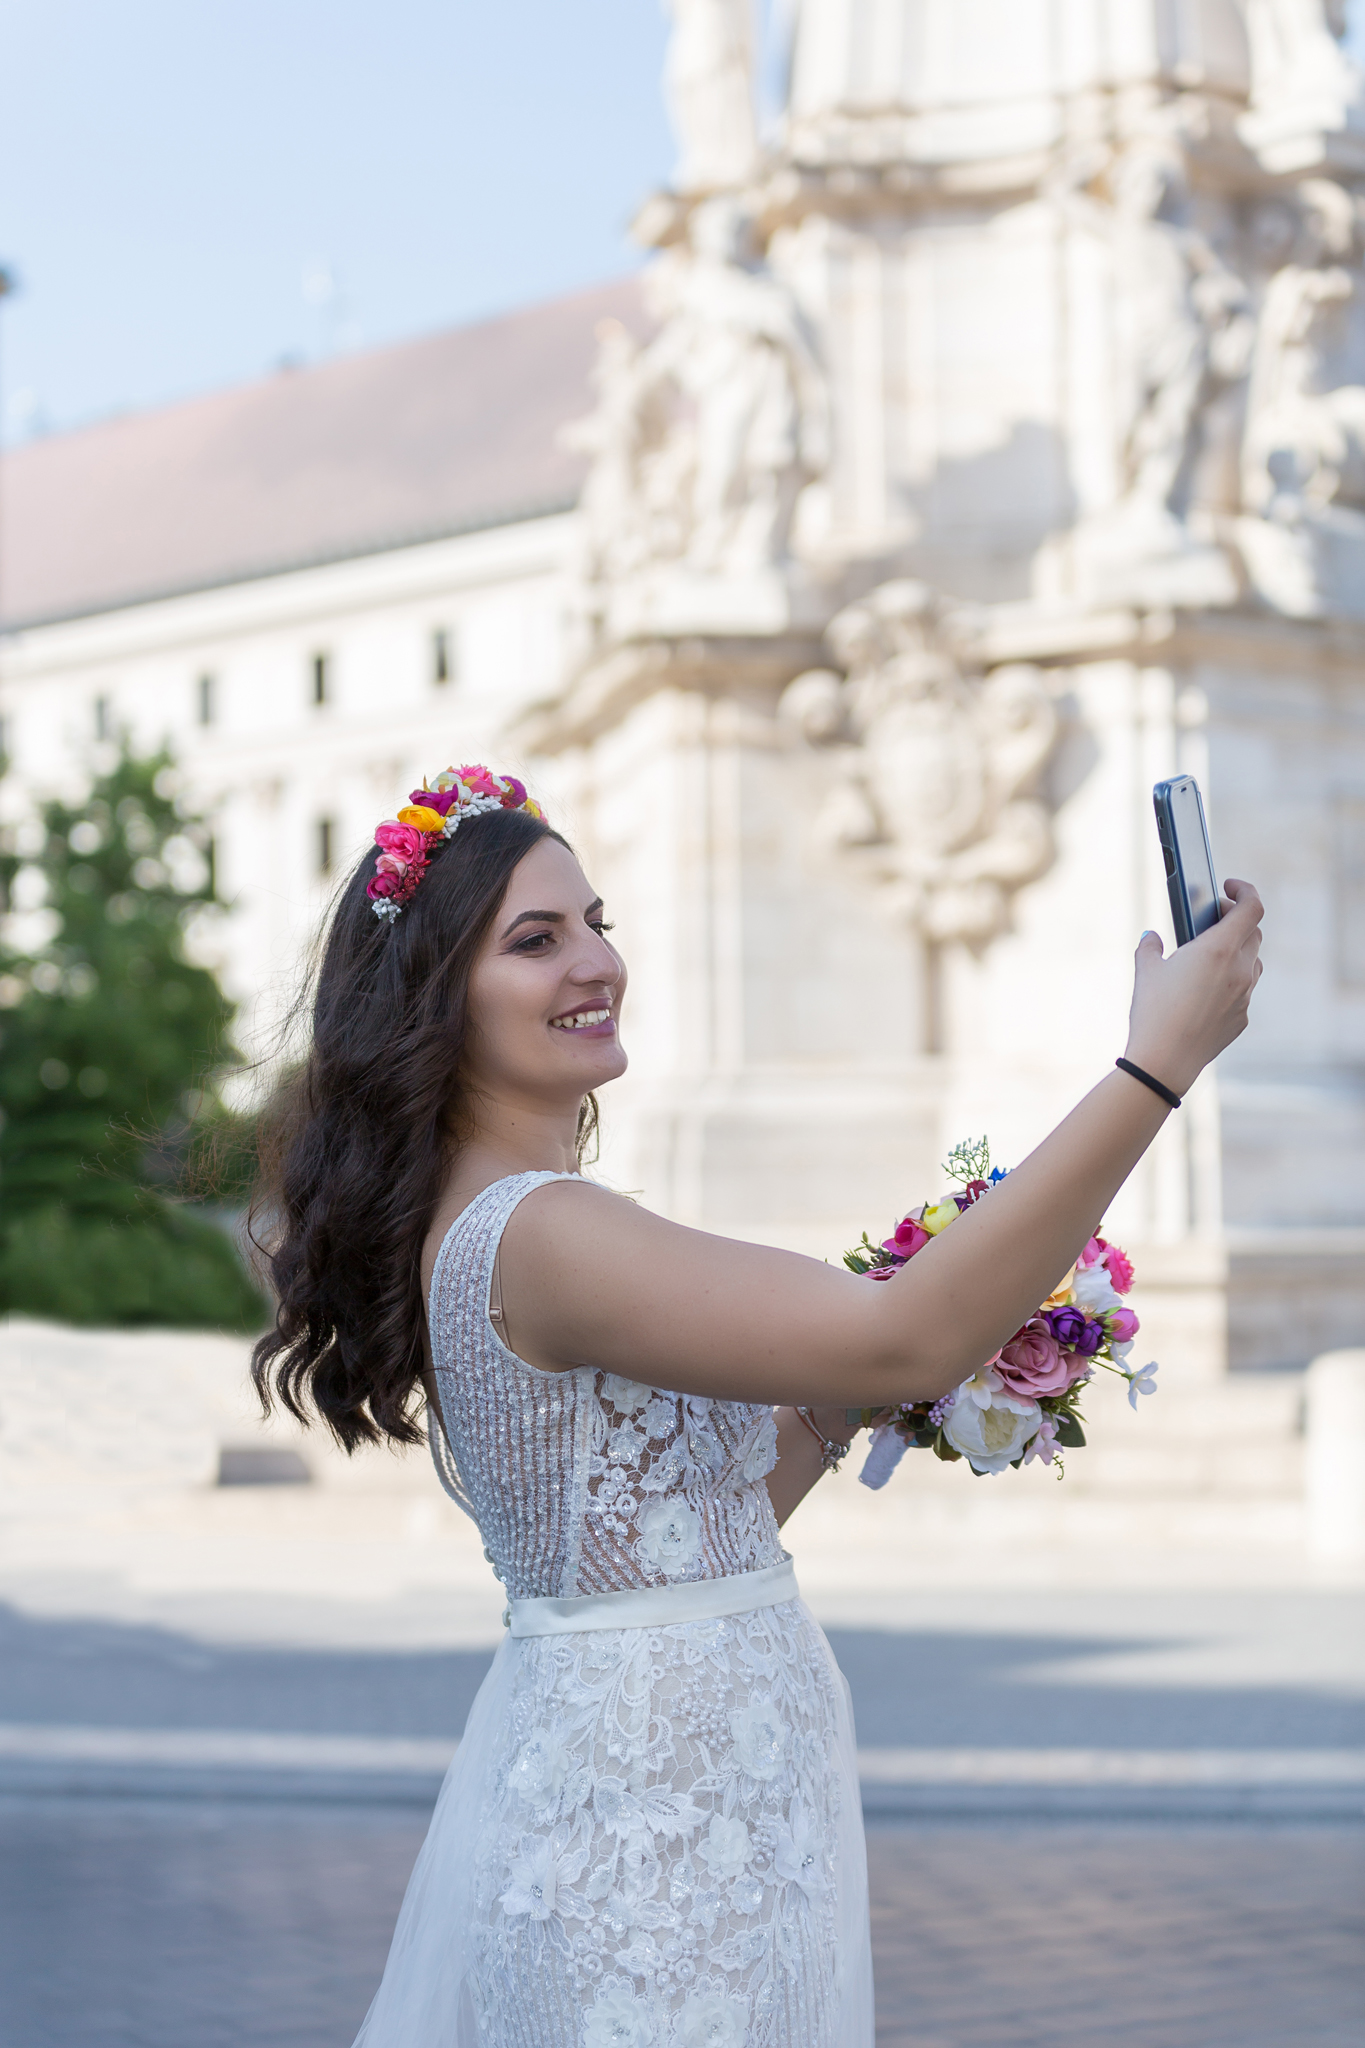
x: 832, y: 1453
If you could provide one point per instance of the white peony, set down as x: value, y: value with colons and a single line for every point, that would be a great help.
x: 538, y: 1774
x: 727, y: 1847
x: 712, y: 2019
x: 759, y: 1735
x: 670, y: 1535
x: 990, y: 1439
x: 618, y: 2019
x: 624, y: 1395
x: 1094, y: 1291
x: 761, y: 1455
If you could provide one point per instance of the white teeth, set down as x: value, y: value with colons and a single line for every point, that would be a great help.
x: 581, y: 1021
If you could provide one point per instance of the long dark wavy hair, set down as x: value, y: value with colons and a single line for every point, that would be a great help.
x: 358, y: 1142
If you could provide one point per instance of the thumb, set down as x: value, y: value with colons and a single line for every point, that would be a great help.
x: 1149, y: 948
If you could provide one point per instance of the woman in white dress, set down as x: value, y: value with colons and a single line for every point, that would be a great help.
x: 650, y: 1836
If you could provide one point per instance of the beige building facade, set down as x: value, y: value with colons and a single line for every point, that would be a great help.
x: 985, y: 441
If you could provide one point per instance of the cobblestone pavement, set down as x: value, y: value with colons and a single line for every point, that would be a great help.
x: 182, y: 1924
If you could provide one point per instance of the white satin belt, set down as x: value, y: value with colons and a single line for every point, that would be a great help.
x: 655, y: 1606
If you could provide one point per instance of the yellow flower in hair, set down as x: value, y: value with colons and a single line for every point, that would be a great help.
x: 421, y: 818
x: 533, y: 808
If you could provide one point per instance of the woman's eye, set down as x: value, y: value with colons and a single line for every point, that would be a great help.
x: 533, y: 942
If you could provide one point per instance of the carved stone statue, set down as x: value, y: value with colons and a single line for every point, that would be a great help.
x: 1303, y: 469
x: 934, y: 770
x: 1307, y: 94
x: 1185, y: 334
x: 704, y: 438
x: 710, y: 87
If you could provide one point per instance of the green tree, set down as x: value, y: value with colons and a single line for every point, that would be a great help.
x: 112, y: 1044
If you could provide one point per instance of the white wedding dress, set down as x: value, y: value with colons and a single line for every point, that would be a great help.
x: 651, y: 1835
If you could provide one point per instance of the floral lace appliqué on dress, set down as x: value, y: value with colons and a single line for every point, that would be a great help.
x: 650, y: 1837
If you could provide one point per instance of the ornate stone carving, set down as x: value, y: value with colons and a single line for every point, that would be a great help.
x: 1186, y: 334
x: 710, y: 88
x: 935, y: 769
x: 1303, y: 467
x: 1307, y: 96
x: 703, y: 437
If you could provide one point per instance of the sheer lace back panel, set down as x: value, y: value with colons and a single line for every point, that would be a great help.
x: 584, y: 1481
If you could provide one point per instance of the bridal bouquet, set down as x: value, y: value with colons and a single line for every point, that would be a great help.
x: 1025, y: 1402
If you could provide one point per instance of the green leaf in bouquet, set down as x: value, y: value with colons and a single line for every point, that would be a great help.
x: 943, y: 1449
x: 1069, y: 1431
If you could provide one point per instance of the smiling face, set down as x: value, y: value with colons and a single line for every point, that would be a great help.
x: 546, y: 989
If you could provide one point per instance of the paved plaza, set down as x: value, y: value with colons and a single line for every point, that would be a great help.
x: 204, y: 1834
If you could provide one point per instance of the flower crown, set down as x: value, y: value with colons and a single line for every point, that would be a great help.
x: 407, y: 842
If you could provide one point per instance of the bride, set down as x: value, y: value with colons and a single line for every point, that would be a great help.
x: 650, y: 1836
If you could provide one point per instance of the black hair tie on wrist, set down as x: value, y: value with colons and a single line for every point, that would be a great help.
x: 1149, y: 1081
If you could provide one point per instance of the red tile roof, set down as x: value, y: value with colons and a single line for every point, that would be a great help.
x: 350, y: 457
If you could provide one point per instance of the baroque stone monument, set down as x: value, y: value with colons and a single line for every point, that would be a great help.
x: 998, y: 448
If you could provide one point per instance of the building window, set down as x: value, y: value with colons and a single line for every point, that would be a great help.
x: 208, y: 699
x: 326, y: 845
x: 104, y: 719
x: 321, y: 670
x: 443, y: 662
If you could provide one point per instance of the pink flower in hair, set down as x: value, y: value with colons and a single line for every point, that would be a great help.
x: 434, y: 799
x: 390, y: 864
x: 404, y: 840
x: 382, y: 885
x: 516, y: 792
x: 478, y: 781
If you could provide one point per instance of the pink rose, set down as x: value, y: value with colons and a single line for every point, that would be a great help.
x: 906, y: 1239
x: 1032, y: 1364
x: 404, y: 840
x: 1123, y: 1326
x: 476, y: 777
x: 434, y: 799
x: 390, y: 864
x: 383, y: 885
x: 1094, y: 1250
x: 1120, y: 1266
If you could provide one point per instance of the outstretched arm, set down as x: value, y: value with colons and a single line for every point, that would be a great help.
x: 589, y: 1278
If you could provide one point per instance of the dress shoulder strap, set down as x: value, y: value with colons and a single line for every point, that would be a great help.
x: 458, y: 1303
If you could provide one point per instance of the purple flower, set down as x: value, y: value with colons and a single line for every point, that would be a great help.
x: 1090, y: 1339
x: 1067, y: 1326
x: 435, y: 799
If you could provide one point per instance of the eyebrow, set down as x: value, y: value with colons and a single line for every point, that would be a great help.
x: 546, y: 916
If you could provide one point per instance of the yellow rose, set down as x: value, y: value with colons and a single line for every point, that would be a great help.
x: 939, y: 1216
x: 533, y: 807
x: 421, y: 818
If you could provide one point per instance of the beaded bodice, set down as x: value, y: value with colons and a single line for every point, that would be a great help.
x: 583, y: 1481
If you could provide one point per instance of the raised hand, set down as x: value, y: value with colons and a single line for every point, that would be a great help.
x: 1188, y: 1005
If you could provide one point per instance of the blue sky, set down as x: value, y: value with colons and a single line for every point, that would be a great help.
x: 172, y: 170
x: 191, y: 190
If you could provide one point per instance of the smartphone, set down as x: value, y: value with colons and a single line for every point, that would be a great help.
x: 1190, y: 879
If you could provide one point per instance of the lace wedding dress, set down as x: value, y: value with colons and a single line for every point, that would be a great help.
x: 651, y: 1835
